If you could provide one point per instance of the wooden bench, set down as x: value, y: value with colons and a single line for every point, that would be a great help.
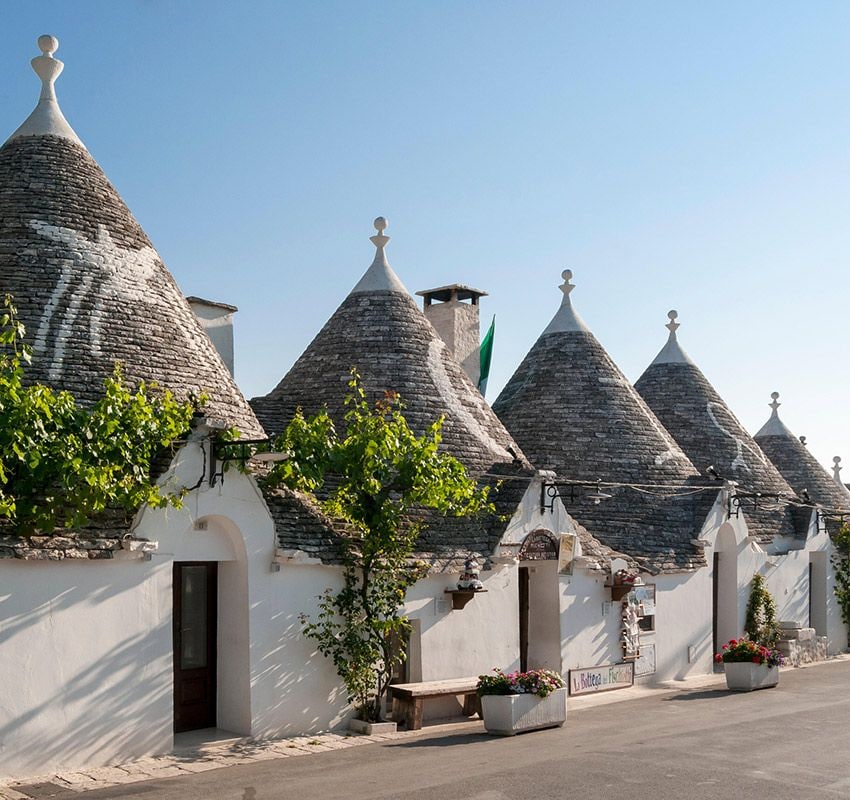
x: 408, y: 698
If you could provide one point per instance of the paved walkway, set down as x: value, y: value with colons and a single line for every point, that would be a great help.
x: 194, y: 757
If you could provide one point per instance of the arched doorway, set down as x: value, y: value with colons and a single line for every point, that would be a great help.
x: 539, y: 602
x: 725, y: 586
x: 211, y: 628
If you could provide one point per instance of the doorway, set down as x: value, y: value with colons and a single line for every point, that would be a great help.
x: 523, y: 619
x: 195, y: 592
x: 539, y: 604
x: 725, y: 588
x: 818, y: 570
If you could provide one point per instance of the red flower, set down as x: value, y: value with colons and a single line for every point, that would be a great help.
x: 718, y: 658
x: 733, y: 641
x: 756, y: 659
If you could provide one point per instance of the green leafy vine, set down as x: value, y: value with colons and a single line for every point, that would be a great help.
x: 841, y: 571
x: 60, y: 464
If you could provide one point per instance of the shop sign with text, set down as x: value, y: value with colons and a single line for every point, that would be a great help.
x: 602, y: 678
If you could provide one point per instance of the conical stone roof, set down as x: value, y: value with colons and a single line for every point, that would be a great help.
x: 381, y: 331
x: 87, y: 282
x: 573, y: 411
x: 797, y: 465
x: 710, y: 434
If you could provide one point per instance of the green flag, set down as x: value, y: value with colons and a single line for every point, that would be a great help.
x: 485, y: 353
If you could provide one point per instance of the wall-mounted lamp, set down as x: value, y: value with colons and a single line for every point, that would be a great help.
x: 224, y: 453
x: 570, y: 490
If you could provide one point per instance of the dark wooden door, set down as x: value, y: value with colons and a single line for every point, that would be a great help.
x: 195, y: 617
x: 523, y: 618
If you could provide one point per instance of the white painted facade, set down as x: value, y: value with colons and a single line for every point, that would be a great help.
x: 90, y: 642
x: 684, y: 620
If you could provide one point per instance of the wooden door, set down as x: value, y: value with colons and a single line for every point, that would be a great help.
x: 195, y: 618
x: 523, y: 619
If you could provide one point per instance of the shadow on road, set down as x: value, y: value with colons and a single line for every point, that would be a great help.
x: 705, y: 694
x: 444, y: 741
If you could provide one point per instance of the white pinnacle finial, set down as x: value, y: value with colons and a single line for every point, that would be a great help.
x: 774, y: 426
x: 379, y: 239
x: 672, y: 325
x: 566, y: 320
x: 46, y: 67
x: 47, y: 118
x: 774, y: 396
x: 380, y: 276
x: 672, y: 353
x: 836, y: 470
x: 48, y: 44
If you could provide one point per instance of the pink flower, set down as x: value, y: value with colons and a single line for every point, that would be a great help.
x: 718, y: 658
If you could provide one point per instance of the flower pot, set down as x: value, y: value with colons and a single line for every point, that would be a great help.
x: 508, y: 714
x: 744, y: 676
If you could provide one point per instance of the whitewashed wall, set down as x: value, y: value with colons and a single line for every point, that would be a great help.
x: 683, y: 636
x: 86, y: 647
x: 85, y: 655
x: 90, y: 643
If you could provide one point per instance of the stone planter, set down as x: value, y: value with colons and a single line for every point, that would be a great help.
x: 506, y: 715
x: 744, y: 676
x: 359, y: 726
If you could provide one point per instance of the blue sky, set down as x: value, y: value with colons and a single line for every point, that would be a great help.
x: 673, y: 155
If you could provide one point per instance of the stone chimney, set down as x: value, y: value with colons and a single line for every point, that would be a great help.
x: 217, y: 320
x: 453, y: 311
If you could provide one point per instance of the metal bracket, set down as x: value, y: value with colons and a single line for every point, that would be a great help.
x: 751, y: 499
x: 224, y: 453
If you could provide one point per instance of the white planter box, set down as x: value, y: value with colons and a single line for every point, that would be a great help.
x: 505, y: 715
x: 359, y: 726
x: 744, y: 676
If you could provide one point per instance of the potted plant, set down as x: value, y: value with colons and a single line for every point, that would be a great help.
x: 514, y: 702
x: 749, y: 665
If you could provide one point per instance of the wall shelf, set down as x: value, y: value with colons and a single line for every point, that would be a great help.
x: 460, y: 597
x: 619, y: 590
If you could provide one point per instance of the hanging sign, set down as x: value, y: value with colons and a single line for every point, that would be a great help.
x: 601, y: 679
x: 538, y: 546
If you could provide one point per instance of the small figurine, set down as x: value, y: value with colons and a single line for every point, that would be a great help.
x: 469, y: 580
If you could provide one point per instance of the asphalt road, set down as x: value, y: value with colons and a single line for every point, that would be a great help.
x: 789, y: 742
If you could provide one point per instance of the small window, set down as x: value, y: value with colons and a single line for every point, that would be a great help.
x: 645, y: 596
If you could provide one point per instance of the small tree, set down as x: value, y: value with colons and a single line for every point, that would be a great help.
x: 761, y: 625
x: 841, y: 571
x: 382, y: 475
x: 59, y: 463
